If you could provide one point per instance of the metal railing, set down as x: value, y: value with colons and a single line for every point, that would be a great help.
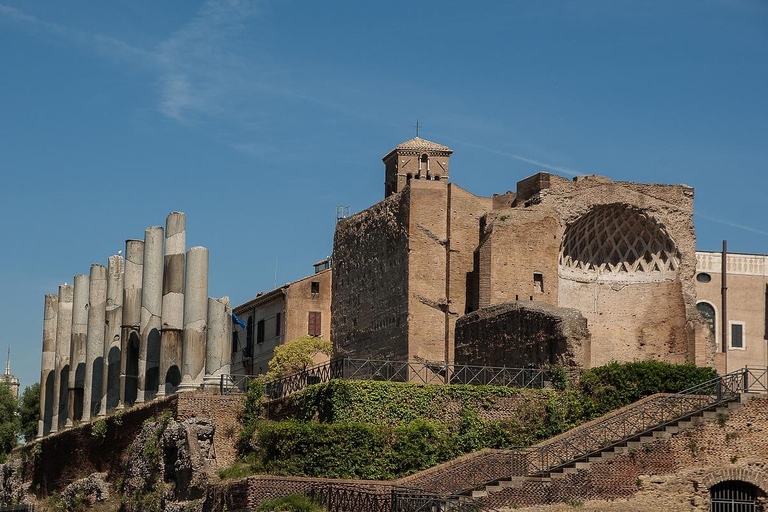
x: 755, y: 380
x: 634, y: 422
x: 349, y: 498
x: 234, y: 384
x: 423, y: 372
x: 582, y: 442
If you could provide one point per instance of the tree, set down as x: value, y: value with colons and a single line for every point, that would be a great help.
x: 297, y: 355
x: 9, y: 421
x: 29, y: 411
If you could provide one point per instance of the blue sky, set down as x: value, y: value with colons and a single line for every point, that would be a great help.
x: 258, y: 118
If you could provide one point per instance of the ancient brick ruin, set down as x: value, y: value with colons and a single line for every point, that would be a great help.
x: 620, y: 253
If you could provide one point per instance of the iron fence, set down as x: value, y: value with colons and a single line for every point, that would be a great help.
x: 583, y: 442
x: 755, y: 380
x: 422, y: 372
x: 634, y: 422
x: 348, y: 498
x: 235, y: 384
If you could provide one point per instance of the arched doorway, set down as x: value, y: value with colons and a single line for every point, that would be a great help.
x: 735, y: 496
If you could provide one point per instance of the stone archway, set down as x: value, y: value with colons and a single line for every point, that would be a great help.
x: 619, y: 267
x: 618, y: 243
x: 755, y: 477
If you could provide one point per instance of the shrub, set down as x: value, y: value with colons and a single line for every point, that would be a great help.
x: 250, y: 414
x: 382, y: 430
x: 99, y: 429
x: 615, y: 385
x: 290, y: 503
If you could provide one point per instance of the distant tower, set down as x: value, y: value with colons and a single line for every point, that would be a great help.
x: 8, y: 378
x: 417, y: 159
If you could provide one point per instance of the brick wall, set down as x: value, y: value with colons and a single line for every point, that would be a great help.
x: 74, y: 453
x: 370, y: 282
x: 223, y: 410
x: 427, y: 265
x: 669, y: 474
x: 523, y: 242
x: 518, y: 333
x: 466, y: 210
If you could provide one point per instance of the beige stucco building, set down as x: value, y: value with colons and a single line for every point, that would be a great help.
x: 298, y: 308
x: 746, y: 324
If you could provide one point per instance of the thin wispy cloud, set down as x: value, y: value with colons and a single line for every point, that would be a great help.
x: 202, y: 68
x: 519, y: 158
x: 729, y: 223
x: 103, y: 44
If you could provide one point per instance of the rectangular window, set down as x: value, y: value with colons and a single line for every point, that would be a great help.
x: 315, y: 323
x: 737, y: 335
x: 234, y: 342
x: 260, y: 332
x: 538, y: 282
x: 315, y: 288
x: 278, y: 319
x: 248, y: 350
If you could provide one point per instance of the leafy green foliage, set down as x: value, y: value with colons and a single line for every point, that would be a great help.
x: 99, y: 429
x: 396, y: 403
x: 9, y: 421
x: 297, y: 355
x: 382, y: 430
x: 290, y: 503
x: 250, y: 413
x: 29, y: 411
x: 237, y: 470
x: 616, y: 385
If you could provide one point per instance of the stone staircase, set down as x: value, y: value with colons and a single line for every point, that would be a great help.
x: 629, y: 445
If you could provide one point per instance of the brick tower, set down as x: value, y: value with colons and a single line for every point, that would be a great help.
x: 417, y: 159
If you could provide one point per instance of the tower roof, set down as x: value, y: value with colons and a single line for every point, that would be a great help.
x: 419, y: 144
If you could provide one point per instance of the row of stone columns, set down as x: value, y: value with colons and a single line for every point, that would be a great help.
x: 133, y: 330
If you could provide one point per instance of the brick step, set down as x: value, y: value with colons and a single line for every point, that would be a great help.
x: 665, y: 432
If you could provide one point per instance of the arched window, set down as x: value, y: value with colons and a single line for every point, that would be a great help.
x: 733, y: 496
x: 707, y: 312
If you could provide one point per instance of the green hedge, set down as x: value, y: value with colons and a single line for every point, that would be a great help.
x: 383, y: 430
x: 397, y: 403
x: 365, y: 450
x: 616, y: 385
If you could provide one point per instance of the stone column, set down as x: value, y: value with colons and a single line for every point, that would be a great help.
x: 94, y: 350
x: 113, y: 315
x: 48, y: 364
x: 173, y: 303
x: 77, y: 349
x: 218, y: 340
x: 151, y: 309
x: 195, y: 319
x: 129, y: 334
x: 63, y: 342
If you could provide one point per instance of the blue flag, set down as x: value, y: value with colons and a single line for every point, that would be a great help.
x: 237, y: 320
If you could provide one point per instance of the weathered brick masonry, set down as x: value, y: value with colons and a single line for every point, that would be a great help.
x: 621, y: 253
x: 518, y: 333
x: 669, y: 474
x: 53, y: 462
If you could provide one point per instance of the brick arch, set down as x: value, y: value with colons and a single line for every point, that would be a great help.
x: 617, y: 242
x: 755, y: 477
